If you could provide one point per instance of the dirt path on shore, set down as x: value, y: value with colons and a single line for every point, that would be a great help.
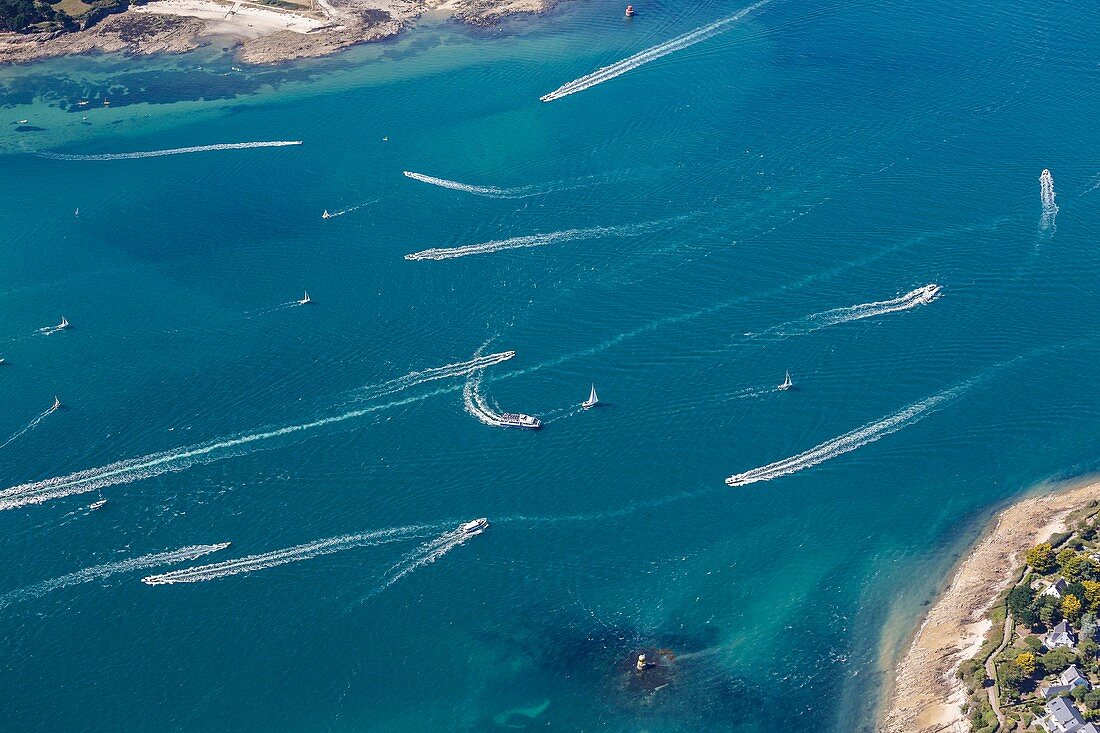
x: 926, y: 695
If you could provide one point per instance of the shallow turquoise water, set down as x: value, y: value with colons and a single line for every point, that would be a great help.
x: 816, y: 156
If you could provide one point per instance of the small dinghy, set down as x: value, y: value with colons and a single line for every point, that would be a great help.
x: 593, y: 399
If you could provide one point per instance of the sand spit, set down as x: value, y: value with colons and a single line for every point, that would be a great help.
x: 264, y: 33
x: 927, y: 696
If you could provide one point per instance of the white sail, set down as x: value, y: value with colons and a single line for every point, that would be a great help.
x: 592, y: 398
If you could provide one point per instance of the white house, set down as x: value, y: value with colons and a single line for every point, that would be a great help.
x: 1066, y: 681
x: 1056, y: 589
x: 1060, y: 636
x: 1064, y: 717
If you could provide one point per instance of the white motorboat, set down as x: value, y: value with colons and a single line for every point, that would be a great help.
x: 475, y: 526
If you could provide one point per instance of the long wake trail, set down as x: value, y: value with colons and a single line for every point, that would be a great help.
x: 533, y: 240
x: 606, y: 73
x: 490, y: 191
x: 98, y: 572
x: 155, y: 464
x: 172, y: 151
x: 448, y: 371
x: 914, y: 298
x: 426, y: 554
x: 846, y: 443
x: 29, y: 426
x: 265, y: 560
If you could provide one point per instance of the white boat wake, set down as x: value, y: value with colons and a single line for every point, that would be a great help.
x: 341, y: 212
x: 98, y: 572
x: 516, y: 192
x: 179, y: 459
x: 1046, y: 195
x: 448, y: 371
x: 491, y: 191
x: 619, y: 68
x: 475, y: 402
x: 172, y: 151
x: 914, y: 298
x: 426, y: 554
x: 845, y: 443
x: 275, y: 558
x: 29, y: 426
x: 534, y: 240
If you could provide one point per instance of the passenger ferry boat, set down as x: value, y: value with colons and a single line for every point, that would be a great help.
x: 475, y: 526
x: 519, y: 420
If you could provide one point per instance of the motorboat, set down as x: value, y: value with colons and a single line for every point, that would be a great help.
x: 96, y: 505
x: 519, y: 420
x: 475, y: 526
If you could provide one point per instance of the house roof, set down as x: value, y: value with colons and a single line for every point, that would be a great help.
x: 1071, y: 675
x: 1063, y: 627
x: 1090, y: 728
x: 1064, y: 712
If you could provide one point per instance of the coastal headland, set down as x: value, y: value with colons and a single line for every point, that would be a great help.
x: 264, y: 32
x: 927, y: 696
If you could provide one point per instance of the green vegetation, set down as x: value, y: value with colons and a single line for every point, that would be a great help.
x: 21, y: 15
x: 1024, y: 667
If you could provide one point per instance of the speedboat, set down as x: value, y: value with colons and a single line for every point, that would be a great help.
x: 97, y: 505
x: 787, y: 383
x: 592, y: 400
x: 1, y: 360
x: 23, y: 122
x: 305, y: 299
x: 929, y: 293
x: 519, y: 420
x: 56, y: 403
x: 326, y: 215
x: 475, y: 526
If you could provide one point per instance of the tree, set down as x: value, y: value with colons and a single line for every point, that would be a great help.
x: 1088, y: 648
x: 1071, y: 607
x: 1049, y: 611
x: 1092, y: 594
x: 1077, y: 568
x: 1020, y: 599
x: 1058, y: 659
x: 1041, y: 558
x: 1026, y: 662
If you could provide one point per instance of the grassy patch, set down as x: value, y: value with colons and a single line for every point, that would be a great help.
x: 72, y: 8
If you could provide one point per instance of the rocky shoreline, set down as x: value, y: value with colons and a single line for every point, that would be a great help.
x: 927, y: 696
x: 338, y: 24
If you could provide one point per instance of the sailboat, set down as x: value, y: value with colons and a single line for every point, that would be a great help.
x: 326, y: 215
x: 63, y: 325
x: 592, y: 400
x: 787, y: 383
x: 77, y: 211
x: 305, y: 299
x: 56, y: 403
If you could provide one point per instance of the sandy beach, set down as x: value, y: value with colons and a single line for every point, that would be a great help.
x: 263, y: 33
x: 926, y: 695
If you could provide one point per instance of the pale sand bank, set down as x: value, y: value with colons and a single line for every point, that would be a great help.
x: 926, y: 696
x: 246, y: 21
x: 265, y: 34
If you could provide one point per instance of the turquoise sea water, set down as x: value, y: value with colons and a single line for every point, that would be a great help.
x: 747, y: 191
